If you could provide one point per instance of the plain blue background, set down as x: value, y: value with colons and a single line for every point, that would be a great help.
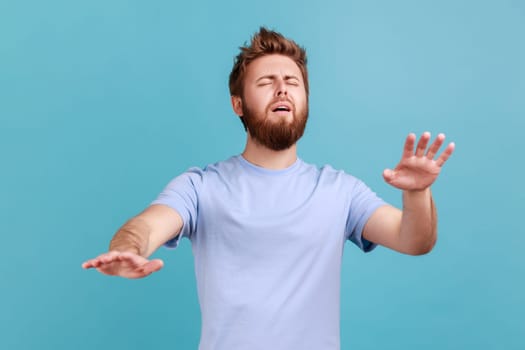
x: 103, y: 102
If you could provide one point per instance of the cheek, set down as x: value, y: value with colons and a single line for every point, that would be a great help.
x: 300, y: 99
x: 259, y: 101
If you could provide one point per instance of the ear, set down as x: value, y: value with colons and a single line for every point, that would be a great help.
x: 237, y: 105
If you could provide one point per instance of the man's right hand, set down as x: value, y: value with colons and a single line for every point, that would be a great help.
x: 124, y: 264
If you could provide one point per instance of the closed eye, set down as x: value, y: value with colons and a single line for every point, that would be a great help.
x: 264, y: 81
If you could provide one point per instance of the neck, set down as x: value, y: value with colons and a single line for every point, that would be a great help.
x: 269, y: 159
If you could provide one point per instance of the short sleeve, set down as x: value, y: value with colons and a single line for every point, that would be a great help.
x: 182, y: 194
x: 363, y: 203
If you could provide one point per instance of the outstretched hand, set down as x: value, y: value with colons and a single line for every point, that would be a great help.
x: 124, y: 264
x: 418, y: 170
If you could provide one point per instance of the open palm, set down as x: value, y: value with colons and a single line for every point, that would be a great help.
x: 417, y: 170
x: 124, y: 264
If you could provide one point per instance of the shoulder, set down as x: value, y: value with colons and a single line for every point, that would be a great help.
x: 197, y: 176
x: 226, y: 166
x: 329, y: 175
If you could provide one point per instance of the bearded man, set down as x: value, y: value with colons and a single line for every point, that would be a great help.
x: 268, y: 229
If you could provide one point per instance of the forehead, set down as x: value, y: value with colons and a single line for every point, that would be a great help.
x: 272, y: 65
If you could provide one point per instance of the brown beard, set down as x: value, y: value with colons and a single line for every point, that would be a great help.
x: 275, y: 135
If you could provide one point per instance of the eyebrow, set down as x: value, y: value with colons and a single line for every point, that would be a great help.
x: 273, y: 77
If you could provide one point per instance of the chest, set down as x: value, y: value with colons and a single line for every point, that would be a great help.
x: 271, y: 220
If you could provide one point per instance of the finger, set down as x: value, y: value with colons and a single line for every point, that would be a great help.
x: 87, y: 264
x: 103, y: 259
x: 422, y: 144
x: 95, y: 261
x: 408, y: 150
x: 91, y: 264
x: 132, y: 258
x: 446, y: 154
x: 109, y: 257
x: 434, y: 148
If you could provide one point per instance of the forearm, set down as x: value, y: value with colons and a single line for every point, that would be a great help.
x: 133, y: 237
x: 418, y: 231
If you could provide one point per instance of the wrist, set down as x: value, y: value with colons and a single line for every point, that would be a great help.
x: 132, y: 237
x: 417, y: 199
x: 418, y: 191
x: 123, y: 249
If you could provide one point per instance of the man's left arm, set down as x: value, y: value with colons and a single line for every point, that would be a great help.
x: 414, y: 229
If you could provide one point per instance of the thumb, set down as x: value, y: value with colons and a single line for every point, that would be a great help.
x: 152, y: 266
x: 389, y: 175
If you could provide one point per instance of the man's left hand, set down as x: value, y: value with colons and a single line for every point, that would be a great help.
x: 418, y: 169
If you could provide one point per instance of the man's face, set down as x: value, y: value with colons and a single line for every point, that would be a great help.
x: 274, y: 102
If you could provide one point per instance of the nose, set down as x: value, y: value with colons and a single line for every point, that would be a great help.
x: 281, y: 89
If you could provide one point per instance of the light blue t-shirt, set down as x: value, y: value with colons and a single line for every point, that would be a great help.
x: 268, y: 246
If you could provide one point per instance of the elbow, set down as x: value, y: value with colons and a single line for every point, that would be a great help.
x: 423, y: 247
x: 420, y: 251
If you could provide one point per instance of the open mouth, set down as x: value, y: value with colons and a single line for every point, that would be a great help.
x: 281, y: 109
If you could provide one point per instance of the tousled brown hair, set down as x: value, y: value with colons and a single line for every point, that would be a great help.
x: 266, y: 42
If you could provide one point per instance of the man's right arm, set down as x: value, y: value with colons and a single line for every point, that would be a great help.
x: 136, y: 240
x: 146, y: 232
